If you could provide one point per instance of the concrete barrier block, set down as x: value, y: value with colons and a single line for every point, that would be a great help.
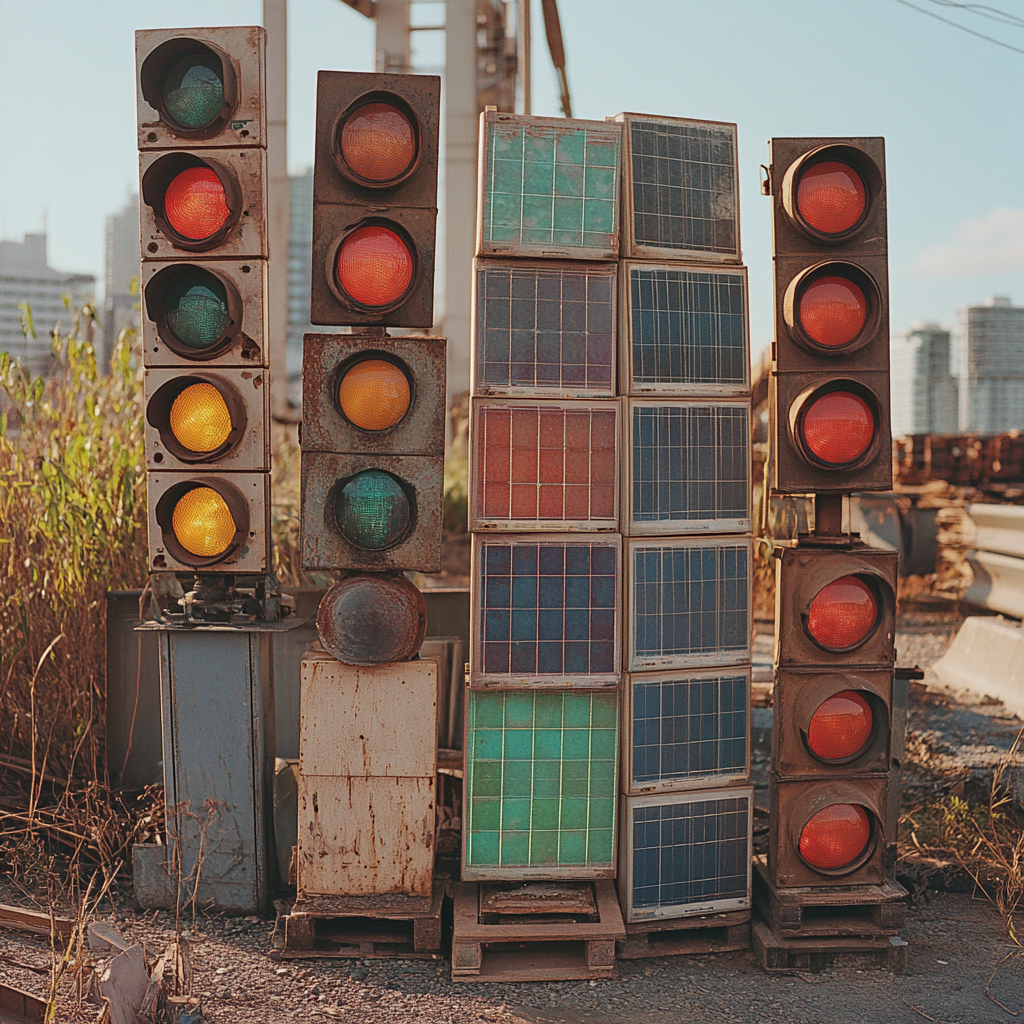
x: 986, y: 657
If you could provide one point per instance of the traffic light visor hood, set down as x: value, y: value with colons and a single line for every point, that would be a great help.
x: 192, y: 85
x: 829, y: 192
x: 376, y: 141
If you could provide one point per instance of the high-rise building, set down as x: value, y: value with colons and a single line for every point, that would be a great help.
x: 923, y: 388
x: 990, y: 350
x: 25, y: 277
x: 123, y: 257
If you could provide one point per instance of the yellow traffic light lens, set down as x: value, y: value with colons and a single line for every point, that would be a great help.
x: 200, y: 419
x: 374, y: 394
x: 378, y: 143
x: 202, y: 522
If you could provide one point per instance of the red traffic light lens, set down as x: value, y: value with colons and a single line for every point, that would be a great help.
x: 195, y: 204
x: 831, y: 197
x: 835, y: 837
x: 838, y: 428
x: 374, y: 266
x: 378, y: 143
x: 833, y: 311
x: 842, y: 613
x: 841, y: 727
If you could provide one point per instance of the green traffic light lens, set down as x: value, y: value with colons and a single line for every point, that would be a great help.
x: 194, y: 91
x: 197, y: 309
x: 373, y: 510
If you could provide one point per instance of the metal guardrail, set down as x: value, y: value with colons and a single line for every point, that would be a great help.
x: 997, y: 560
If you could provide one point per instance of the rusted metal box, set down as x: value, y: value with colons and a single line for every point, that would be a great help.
x: 367, y: 763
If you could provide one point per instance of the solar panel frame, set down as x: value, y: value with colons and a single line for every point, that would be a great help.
x: 662, y: 476
x: 481, y: 628
x: 740, y: 816
x: 700, y: 655
x: 723, y: 201
x: 665, y: 321
x: 592, y: 212
x: 658, y: 782
x: 572, y: 338
x: 547, y: 410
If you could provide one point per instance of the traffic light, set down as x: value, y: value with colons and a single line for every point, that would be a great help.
x: 202, y: 161
x: 374, y: 199
x: 829, y: 393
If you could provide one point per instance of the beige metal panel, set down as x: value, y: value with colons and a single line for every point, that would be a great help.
x: 373, y: 720
x: 365, y: 836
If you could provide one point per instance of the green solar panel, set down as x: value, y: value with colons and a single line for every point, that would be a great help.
x: 540, y: 788
x: 550, y: 187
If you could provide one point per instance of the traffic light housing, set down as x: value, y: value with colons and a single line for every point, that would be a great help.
x: 374, y: 199
x: 829, y: 393
x: 203, y: 185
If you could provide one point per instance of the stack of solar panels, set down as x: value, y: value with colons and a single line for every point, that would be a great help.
x: 685, y: 516
x: 545, y: 667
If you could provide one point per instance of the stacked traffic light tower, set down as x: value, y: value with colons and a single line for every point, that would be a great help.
x: 839, y: 708
x: 372, y: 440
x: 609, y: 426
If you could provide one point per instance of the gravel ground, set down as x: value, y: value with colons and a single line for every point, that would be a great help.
x: 956, y: 942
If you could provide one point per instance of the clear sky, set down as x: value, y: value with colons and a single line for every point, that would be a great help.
x: 950, y: 105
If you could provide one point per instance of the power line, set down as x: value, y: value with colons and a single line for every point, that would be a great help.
x: 984, y: 11
x: 963, y: 28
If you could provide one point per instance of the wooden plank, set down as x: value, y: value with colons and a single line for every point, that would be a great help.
x: 22, y: 1007
x: 778, y: 953
x: 564, y: 960
x: 538, y: 898
x: 685, y: 941
x: 34, y: 922
x: 370, y: 721
x: 365, y: 836
x: 675, y: 924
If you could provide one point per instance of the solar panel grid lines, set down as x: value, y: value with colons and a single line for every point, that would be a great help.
x: 685, y: 730
x: 686, y: 467
x: 544, y: 465
x: 548, y: 187
x: 680, y: 190
x: 683, y: 329
x: 545, y: 610
x: 540, y: 784
x: 685, y: 854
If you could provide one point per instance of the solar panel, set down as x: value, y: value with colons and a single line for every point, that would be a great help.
x: 687, y: 853
x: 689, y: 467
x: 544, y: 465
x: 544, y: 329
x: 687, y: 330
x: 540, y: 784
x: 550, y: 187
x: 689, y: 603
x: 545, y: 610
x: 688, y: 729
x: 683, y: 197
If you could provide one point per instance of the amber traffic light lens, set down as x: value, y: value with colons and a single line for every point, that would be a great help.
x: 835, y: 837
x: 373, y: 510
x: 195, y: 203
x: 841, y: 727
x: 842, y: 613
x: 374, y: 394
x: 200, y: 419
x: 202, y: 522
x: 838, y: 428
x: 193, y: 91
x: 833, y: 311
x: 375, y: 266
x: 831, y: 197
x: 378, y: 142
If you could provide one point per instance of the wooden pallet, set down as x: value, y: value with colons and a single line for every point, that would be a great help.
x: 539, y: 942
x: 707, y: 933
x: 782, y: 953
x: 860, y: 910
x: 344, y: 928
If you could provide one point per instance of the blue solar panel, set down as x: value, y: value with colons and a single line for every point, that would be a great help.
x: 690, y: 603
x: 547, y: 608
x: 688, y: 329
x: 689, y: 728
x: 691, y: 466
x: 689, y: 851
